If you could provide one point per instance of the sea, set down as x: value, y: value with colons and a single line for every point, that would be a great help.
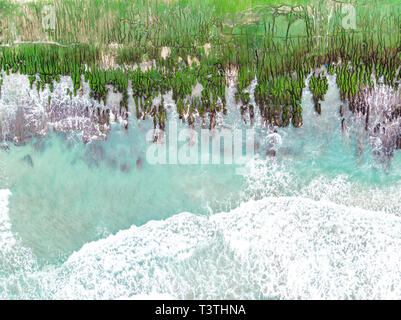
x: 98, y: 220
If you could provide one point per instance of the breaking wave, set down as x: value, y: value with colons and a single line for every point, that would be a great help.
x: 276, y: 247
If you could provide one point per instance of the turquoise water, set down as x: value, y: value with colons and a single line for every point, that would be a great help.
x: 86, y: 221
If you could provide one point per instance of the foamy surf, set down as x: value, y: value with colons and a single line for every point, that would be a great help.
x: 6, y: 237
x: 287, y: 247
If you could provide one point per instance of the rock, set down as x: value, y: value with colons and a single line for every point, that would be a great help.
x: 398, y: 143
x: 28, y: 159
x: 343, y: 126
x: 342, y: 111
x: 256, y: 145
x: 165, y: 52
x: 297, y: 120
x: 318, y: 107
x: 251, y: 114
x: 207, y: 48
x: 124, y: 167
x: 112, y: 163
x: 271, y: 153
x: 4, y: 147
x: 212, y: 121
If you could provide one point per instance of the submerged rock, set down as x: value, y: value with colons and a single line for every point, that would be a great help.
x: 124, y: 167
x: 28, y: 159
x: 94, y: 154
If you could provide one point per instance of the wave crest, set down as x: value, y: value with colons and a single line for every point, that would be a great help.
x: 287, y: 247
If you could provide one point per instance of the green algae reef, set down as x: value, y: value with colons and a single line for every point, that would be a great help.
x: 261, y: 43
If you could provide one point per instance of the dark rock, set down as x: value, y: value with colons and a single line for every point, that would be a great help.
x: 343, y: 126
x: 398, y: 143
x: 28, y: 159
x: 124, y: 167
x: 367, y: 119
x: 251, y: 114
x: 271, y: 153
x: 318, y: 108
x: 112, y: 163
x: 4, y: 147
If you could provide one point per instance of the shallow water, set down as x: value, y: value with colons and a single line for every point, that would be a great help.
x: 317, y: 221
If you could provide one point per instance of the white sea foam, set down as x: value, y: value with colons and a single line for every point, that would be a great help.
x: 287, y: 247
x: 15, y: 260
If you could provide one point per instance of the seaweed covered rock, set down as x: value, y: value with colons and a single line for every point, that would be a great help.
x: 318, y: 86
